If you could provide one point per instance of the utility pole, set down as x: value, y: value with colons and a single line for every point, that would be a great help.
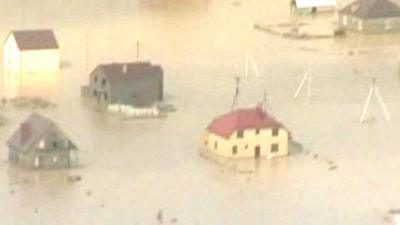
x: 87, y: 51
x: 137, y: 50
x: 307, y: 77
x: 374, y: 90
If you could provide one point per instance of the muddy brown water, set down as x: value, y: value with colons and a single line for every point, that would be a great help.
x: 132, y: 169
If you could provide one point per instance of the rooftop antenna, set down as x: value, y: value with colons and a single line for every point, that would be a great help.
x: 374, y: 90
x: 137, y: 50
x: 265, y: 103
x: 236, y: 96
x: 87, y: 50
x: 306, y: 77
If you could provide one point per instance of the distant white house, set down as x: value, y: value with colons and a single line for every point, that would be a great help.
x: 313, y: 4
x: 29, y: 57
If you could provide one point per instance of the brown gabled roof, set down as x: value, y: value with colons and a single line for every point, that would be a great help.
x: 30, y: 132
x: 35, y: 39
x: 241, y: 119
x: 372, y: 9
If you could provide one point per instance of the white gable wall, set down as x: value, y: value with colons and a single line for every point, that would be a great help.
x: 302, y: 4
x: 40, y: 60
x: 11, y: 76
x: 27, y: 69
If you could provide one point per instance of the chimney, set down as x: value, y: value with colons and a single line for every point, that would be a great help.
x: 125, y: 68
x: 26, y: 131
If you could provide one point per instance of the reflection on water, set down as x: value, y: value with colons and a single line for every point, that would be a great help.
x: 36, y: 83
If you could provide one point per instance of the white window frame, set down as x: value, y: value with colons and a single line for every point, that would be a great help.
x: 41, y: 144
x: 360, y: 25
x: 345, y: 20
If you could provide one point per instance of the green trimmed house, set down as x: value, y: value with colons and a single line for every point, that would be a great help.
x: 370, y: 16
x: 39, y: 143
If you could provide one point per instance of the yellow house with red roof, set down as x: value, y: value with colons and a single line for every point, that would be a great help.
x: 246, y: 133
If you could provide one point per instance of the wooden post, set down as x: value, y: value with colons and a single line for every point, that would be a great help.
x: 87, y: 51
x: 137, y: 50
x: 374, y: 90
x: 254, y: 66
x: 300, y: 87
x: 382, y: 104
x: 365, y: 109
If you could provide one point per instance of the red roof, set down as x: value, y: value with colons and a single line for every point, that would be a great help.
x: 252, y: 118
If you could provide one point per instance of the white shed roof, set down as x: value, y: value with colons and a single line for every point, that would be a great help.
x: 315, y: 3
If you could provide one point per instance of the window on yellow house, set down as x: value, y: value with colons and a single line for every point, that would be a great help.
x: 275, y: 132
x: 240, y: 134
x: 234, y: 150
x: 274, y: 148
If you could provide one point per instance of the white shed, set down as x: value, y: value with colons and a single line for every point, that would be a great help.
x: 29, y: 57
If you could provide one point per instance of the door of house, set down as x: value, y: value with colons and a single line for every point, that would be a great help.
x: 38, y: 161
x: 257, y: 152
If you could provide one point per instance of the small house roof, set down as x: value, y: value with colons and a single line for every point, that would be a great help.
x: 315, y: 3
x: 35, y: 39
x: 122, y: 75
x: 36, y: 126
x: 241, y: 119
x: 372, y: 9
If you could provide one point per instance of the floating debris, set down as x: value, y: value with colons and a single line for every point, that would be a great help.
x: 36, y: 210
x: 74, y: 178
x: 333, y: 167
x: 393, y: 215
x: 315, y: 156
x: 102, y: 205
x: 11, y: 191
x: 160, y: 216
x: 174, y: 220
x: 330, y: 162
x: 88, y: 192
x: 31, y: 102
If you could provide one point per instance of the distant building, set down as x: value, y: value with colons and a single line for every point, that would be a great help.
x: 137, y: 84
x: 370, y: 16
x: 31, y: 59
x: 246, y: 133
x: 39, y: 143
x: 313, y: 4
x: 31, y: 50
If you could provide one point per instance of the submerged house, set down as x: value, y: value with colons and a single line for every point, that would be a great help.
x: 126, y: 85
x: 246, y: 133
x: 370, y: 16
x: 31, y: 62
x: 313, y: 5
x: 39, y: 143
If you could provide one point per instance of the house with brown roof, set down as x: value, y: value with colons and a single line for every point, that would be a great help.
x: 130, y: 88
x: 246, y: 133
x: 370, y: 16
x: 39, y: 143
x: 29, y: 57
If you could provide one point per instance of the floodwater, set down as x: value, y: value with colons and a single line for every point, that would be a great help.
x: 133, y: 169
